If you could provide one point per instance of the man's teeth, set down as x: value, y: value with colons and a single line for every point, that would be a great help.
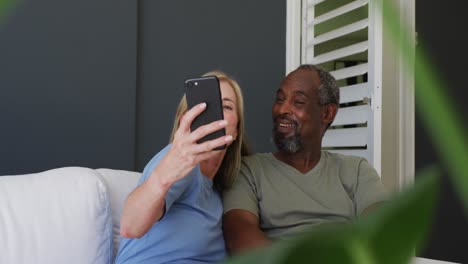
x: 285, y: 125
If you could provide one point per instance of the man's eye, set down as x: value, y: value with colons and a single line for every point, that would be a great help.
x: 278, y: 99
x: 299, y: 102
x: 227, y: 107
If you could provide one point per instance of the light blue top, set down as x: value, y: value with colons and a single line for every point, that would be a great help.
x: 189, y: 232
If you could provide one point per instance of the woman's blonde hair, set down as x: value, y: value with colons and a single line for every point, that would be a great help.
x: 230, y: 165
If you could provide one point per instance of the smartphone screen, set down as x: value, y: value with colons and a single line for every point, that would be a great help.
x: 205, y: 89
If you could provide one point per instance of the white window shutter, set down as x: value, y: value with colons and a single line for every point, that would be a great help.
x: 345, y: 38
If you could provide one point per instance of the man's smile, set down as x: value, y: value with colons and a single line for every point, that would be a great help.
x: 285, y: 126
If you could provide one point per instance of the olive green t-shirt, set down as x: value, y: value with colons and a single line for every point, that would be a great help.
x: 287, y: 201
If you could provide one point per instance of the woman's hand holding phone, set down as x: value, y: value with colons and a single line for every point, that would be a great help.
x: 185, y: 152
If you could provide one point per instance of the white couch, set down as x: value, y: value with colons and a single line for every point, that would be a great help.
x: 65, y: 215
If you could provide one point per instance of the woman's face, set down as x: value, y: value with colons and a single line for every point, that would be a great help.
x: 229, y: 108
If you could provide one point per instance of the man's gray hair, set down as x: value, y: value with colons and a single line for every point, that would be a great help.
x: 328, y: 91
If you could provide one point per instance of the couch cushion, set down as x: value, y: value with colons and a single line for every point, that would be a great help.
x: 57, y: 216
x: 119, y: 184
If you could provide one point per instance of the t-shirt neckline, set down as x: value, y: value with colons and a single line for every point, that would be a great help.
x: 317, y: 167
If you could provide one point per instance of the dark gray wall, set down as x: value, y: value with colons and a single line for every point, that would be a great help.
x: 68, y: 81
x: 96, y: 83
x: 438, y: 25
x: 187, y: 38
x: 67, y: 85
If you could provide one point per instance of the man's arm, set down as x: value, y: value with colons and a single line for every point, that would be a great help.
x: 242, y: 231
x: 370, y: 192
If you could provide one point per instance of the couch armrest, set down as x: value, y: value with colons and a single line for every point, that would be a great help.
x: 56, y: 216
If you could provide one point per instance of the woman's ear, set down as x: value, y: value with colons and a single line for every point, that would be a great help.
x: 234, y: 135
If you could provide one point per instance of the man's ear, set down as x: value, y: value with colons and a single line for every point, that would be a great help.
x: 329, y: 113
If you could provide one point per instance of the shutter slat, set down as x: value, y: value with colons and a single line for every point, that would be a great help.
x: 352, y: 115
x: 357, y: 70
x: 341, y: 53
x: 346, y: 137
x: 355, y: 152
x: 316, y: 2
x: 312, y: 3
x: 361, y: 24
x: 353, y: 93
x: 337, y: 12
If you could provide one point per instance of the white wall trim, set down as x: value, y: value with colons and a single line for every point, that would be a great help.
x: 293, y: 34
x: 375, y: 60
x: 406, y: 95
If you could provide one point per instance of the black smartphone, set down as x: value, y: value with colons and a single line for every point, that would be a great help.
x: 206, y: 89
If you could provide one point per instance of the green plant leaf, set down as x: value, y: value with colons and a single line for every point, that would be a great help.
x: 398, y: 229
x: 388, y: 235
x: 5, y: 6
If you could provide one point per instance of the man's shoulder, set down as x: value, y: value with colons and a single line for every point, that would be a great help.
x: 257, y: 159
x: 343, y: 159
x: 349, y: 167
x: 256, y: 165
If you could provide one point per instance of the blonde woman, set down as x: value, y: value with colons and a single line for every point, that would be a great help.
x: 174, y: 215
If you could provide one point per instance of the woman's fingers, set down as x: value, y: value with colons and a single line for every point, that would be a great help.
x: 185, y: 142
x: 206, y: 155
x: 188, y: 156
x: 187, y: 119
x: 207, y: 129
x: 208, y: 146
x: 211, y: 153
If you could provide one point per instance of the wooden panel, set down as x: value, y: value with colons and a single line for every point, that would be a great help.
x: 354, y: 93
x: 357, y: 70
x: 340, y: 53
x: 347, y: 137
x: 352, y: 115
x: 345, y: 30
x: 354, y: 152
x: 339, y: 11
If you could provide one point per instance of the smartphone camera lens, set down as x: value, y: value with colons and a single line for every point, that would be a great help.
x: 190, y: 84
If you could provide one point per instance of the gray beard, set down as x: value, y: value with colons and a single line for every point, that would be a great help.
x: 290, y: 144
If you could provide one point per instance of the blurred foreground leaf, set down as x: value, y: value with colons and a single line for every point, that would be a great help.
x: 5, y: 7
x: 395, y: 232
x: 391, y: 234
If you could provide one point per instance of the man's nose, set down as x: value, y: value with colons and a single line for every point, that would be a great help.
x: 285, y: 107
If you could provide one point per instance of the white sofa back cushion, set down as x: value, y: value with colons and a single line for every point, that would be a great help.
x: 119, y: 184
x: 57, y: 216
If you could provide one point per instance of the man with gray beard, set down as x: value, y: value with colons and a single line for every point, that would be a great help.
x: 279, y: 195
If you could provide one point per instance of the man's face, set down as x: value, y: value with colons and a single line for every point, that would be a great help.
x: 297, y: 113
